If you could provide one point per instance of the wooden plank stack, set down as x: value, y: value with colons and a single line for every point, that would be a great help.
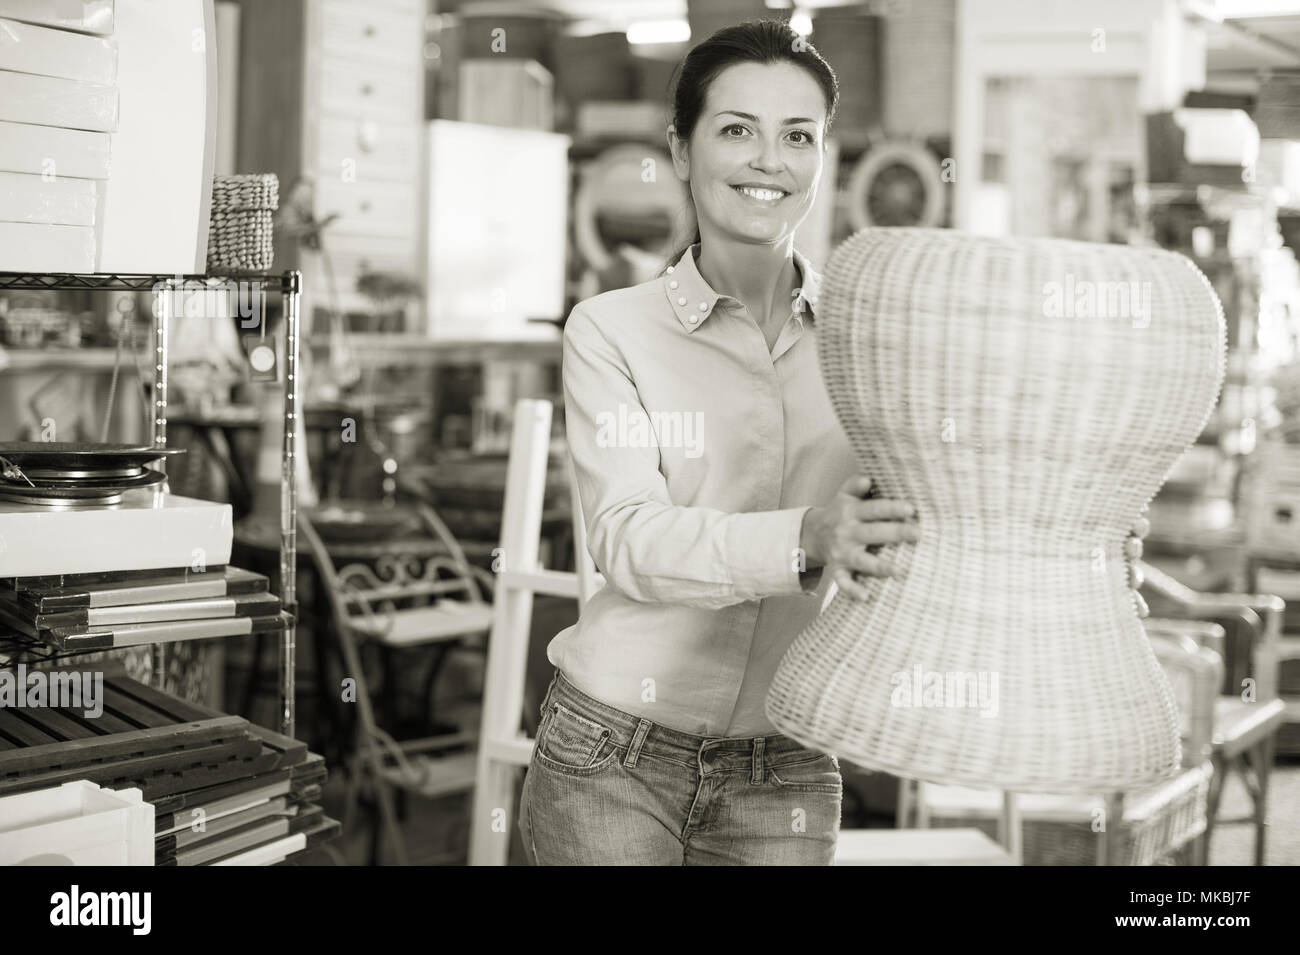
x: 221, y: 787
x: 113, y: 609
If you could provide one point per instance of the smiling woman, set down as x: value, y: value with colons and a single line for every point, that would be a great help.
x: 653, y: 746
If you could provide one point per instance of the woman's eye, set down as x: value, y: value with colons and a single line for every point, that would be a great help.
x: 807, y: 137
x: 734, y: 126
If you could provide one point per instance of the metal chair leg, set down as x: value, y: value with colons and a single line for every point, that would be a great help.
x: 1263, y: 769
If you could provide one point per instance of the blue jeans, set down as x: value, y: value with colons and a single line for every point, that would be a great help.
x: 605, y: 787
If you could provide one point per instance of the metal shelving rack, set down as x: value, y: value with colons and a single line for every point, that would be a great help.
x: 289, y: 284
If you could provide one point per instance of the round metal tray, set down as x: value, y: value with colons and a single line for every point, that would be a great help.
x: 81, y: 455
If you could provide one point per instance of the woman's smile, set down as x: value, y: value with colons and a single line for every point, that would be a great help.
x: 763, y: 196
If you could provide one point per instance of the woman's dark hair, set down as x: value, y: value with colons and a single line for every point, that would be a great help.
x: 754, y: 41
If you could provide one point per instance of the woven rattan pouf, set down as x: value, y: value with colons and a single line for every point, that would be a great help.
x: 1028, y: 396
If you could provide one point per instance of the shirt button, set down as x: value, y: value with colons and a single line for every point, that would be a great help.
x: 704, y: 306
x: 682, y: 300
x: 670, y: 270
x: 693, y: 319
x: 672, y: 284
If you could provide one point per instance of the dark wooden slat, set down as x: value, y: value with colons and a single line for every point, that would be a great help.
x: 129, y: 708
x: 292, y: 751
x: 105, y: 723
x: 20, y: 731
x: 179, y: 736
x: 160, y: 770
x: 181, y: 710
x: 61, y: 725
x: 208, y: 776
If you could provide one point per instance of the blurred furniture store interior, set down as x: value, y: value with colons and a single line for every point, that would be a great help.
x: 284, y: 288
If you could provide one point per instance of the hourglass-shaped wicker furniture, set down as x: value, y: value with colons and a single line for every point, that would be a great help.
x: 1029, y: 397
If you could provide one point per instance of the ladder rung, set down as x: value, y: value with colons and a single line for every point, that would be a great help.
x: 516, y: 752
x: 557, y: 583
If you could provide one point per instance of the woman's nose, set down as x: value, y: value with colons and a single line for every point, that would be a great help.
x: 768, y: 157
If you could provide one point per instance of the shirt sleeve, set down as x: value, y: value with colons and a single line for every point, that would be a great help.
x: 647, y: 547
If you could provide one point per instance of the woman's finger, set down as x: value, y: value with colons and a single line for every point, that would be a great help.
x: 864, y: 563
x: 845, y: 581
x: 856, y: 486
x: 883, y: 509
x: 883, y: 532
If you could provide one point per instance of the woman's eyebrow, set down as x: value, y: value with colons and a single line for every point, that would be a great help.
x: 754, y: 119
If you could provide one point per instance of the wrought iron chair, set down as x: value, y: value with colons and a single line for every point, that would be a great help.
x: 1248, y: 713
x: 397, y: 605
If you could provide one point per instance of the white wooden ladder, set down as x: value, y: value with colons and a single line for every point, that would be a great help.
x: 503, y: 749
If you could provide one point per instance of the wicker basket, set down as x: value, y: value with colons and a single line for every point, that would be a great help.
x: 1029, y: 443
x: 240, y: 228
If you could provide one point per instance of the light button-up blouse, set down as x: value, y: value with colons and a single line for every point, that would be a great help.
x: 697, y: 453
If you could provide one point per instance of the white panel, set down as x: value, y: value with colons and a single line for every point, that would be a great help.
x: 155, y: 211
x: 498, y: 217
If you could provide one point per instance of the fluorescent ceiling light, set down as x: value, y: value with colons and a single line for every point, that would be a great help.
x: 801, y: 22
x: 659, y: 31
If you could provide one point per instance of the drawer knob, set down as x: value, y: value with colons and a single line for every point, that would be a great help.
x: 368, y: 30
x: 366, y: 89
x: 365, y: 205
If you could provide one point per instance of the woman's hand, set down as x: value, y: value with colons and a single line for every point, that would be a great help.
x: 1133, y: 551
x: 837, y: 536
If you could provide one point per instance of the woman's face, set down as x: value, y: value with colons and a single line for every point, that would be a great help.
x: 754, y: 159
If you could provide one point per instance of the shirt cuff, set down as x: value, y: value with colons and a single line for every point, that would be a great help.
x: 763, y: 553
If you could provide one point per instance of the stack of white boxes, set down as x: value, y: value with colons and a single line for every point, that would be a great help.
x: 58, y: 106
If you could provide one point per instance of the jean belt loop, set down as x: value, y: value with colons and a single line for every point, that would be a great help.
x: 756, y: 775
x: 638, y: 738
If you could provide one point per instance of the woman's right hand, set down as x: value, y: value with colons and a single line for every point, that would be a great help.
x: 837, y: 536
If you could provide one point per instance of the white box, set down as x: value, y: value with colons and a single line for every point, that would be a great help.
x: 31, y: 49
x: 37, y: 247
x: 78, y: 823
x: 55, y: 201
x: 48, y: 150
x: 147, y: 530
x: 50, y: 101
x: 84, y: 16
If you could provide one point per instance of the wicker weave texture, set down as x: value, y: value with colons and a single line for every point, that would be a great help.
x: 1029, y: 430
x: 241, y: 221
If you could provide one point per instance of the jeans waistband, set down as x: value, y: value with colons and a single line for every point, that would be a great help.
x: 642, y: 735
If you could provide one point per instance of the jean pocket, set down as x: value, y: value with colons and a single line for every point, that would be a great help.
x: 570, y: 743
x: 820, y: 774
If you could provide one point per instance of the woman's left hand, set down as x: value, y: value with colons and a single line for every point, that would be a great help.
x: 1133, y: 551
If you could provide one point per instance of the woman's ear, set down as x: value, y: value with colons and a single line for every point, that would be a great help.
x: 677, y: 148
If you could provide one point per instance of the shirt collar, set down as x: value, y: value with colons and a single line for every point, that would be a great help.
x: 693, y: 299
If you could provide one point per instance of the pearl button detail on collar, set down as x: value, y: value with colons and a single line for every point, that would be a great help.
x: 682, y: 300
x: 704, y: 306
x: 672, y: 284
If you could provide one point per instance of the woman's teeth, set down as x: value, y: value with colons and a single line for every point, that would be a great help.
x: 763, y: 195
